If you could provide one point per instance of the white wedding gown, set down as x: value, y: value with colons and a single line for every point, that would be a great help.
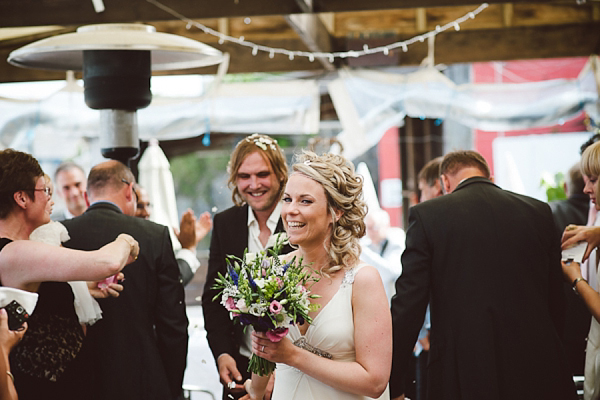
x: 332, y: 331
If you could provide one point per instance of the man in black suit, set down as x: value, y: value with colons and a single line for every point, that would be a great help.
x: 138, y: 349
x: 488, y: 261
x: 257, y: 175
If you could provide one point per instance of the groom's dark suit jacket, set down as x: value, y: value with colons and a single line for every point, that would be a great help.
x: 488, y: 261
x: 229, y: 237
x: 138, y: 349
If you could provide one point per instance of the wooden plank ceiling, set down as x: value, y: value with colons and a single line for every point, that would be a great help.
x: 503, y: 31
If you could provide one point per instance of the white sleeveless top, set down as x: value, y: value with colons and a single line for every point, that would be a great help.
x: 331, y: 331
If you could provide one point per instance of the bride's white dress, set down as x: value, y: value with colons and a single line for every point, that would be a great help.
x: 332, y: 331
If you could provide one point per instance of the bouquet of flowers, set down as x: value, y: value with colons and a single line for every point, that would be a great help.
x: 267, y: 293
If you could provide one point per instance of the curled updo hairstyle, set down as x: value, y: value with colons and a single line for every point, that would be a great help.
x: 18, y: 171
x: 343, y: 190
x: 269, y: 150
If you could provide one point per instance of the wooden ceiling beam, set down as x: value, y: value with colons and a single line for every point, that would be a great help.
x: 515, y: 43
x: 312, y: 31
x: 77, y: 12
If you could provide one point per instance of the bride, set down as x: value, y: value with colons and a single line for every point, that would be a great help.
x: 346, y: 353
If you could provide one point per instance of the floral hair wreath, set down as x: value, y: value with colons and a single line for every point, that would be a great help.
x: 262, y: 141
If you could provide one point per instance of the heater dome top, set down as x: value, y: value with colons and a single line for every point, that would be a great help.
x: 65, y: 52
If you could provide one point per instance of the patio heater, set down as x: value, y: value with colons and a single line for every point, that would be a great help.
x: 117, y: 61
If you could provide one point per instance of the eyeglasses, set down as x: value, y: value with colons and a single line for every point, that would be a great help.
x: 46, y: 190
x: 125, y: 181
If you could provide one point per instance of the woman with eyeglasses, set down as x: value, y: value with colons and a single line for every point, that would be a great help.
x: 49, y: 348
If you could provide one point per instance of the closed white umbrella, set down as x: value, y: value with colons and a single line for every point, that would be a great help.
x: 155, y: 176
x: 369, y: 192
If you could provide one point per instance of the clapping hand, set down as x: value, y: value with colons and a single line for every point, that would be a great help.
x: 192, y: 230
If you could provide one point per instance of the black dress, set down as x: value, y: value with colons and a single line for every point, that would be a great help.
x: 46, y: 357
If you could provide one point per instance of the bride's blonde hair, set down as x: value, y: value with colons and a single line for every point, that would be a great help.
x: 343, y: 190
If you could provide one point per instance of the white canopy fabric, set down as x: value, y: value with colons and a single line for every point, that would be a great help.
x: 57, y: 126
x: 369, y: 102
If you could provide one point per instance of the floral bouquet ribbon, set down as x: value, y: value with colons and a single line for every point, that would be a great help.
x: 267, y: 293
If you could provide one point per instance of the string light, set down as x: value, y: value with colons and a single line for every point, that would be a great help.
x: 310, y: 55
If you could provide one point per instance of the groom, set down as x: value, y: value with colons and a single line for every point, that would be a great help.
x: 257, y: 174
x: 488, y: 261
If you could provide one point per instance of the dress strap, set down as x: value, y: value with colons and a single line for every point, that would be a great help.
x: 351, y: 273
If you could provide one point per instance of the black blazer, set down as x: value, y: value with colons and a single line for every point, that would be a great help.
x: 229, y: 237
x: 139, y: 347
x: 488, y: 261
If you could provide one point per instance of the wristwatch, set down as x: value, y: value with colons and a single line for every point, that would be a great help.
x: 575, y: 284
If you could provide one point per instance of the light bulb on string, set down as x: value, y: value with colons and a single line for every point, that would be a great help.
x: 331, y: 56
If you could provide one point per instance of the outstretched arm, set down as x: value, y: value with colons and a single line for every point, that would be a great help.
x: 25, y: 262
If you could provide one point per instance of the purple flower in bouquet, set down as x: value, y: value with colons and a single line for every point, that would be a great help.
x: 234, y: 276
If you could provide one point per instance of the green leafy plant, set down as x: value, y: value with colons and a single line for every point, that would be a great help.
x: 555, y: 186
